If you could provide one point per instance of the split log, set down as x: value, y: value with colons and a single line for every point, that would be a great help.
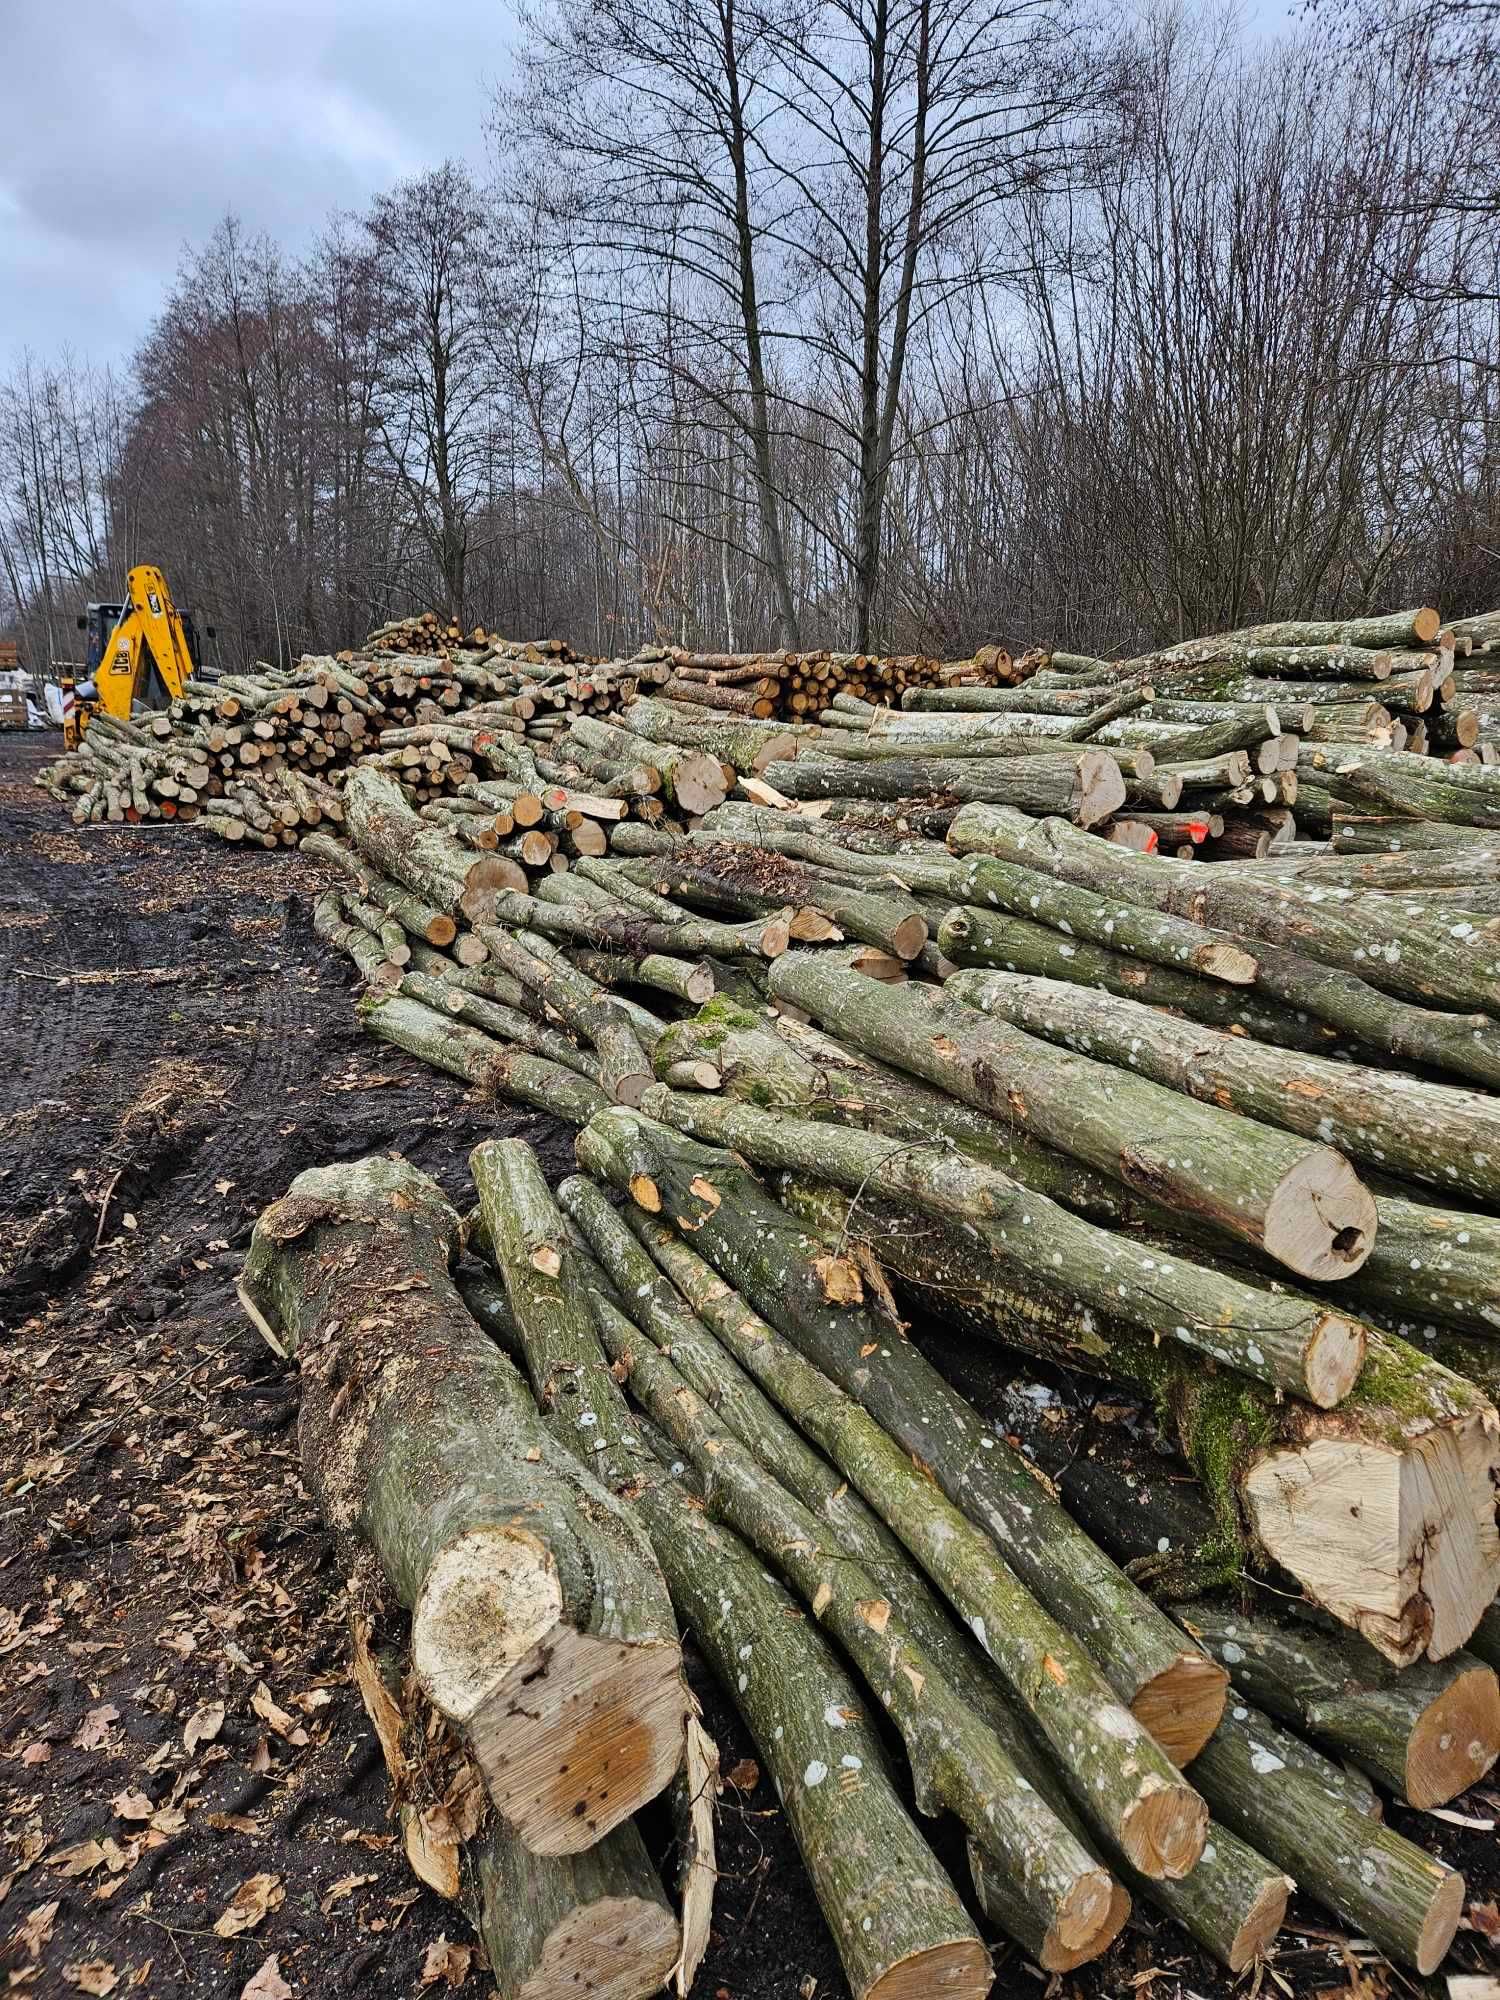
x: 534, y: 1628
x: 1302, y: 1204
x: 788, y: 1276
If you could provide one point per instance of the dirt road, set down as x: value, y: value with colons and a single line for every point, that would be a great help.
x: 175, y: 1714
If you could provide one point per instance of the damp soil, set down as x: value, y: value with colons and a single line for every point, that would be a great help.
x: 177, y: 1719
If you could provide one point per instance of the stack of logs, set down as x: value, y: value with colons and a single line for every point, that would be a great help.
x: 1220, y: 1134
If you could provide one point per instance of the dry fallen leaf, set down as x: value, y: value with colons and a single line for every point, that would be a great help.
x: 1485, y: 1918
x: 744, y: 1776
x: 93, y: 1731
x: 79, y: 1860
x: 34, y: 1933
x: 264, y: 1704
x: 249, y: 1904
x: 203, y: 1725
x: 446, y: 1961
x: 92, y: 1975
x: 132, y: 1805
x: 345, y: 1886
x: 267, y: 1983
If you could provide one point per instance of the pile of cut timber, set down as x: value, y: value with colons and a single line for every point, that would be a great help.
x: 1224, y: 1134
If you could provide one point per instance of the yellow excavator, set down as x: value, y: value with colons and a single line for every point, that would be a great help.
x: 138, y: 654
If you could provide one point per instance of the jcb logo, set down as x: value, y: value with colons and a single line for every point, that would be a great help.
x: 121, y: 663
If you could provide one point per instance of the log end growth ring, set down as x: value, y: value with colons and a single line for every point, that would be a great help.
x: 1056, y: 1956
x: 1456, y: 1740
x: 1334, y: 1355
x: 1441, y: 1924
x: 1262, y: 1921
x: 953, y: 1970
x: 1320, y: 1222
x: 1183, y: 1706
x: 617, y: 1948
x: 1163, y: 1832
x: 583, y: 1733
x: 488, y: 1600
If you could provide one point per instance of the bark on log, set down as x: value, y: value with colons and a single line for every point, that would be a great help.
x: 899, y: 1928
x: 662, y: 1311
x: 728, y: 875
x: 1407, y: 1902
x: 594, y: 1923
x: 1382, y: 1509
x: 624, y: 1067
x: 971, y: 936
x: 1303, y: 1205
x: 1065, y: 1899
x: 479, y: 1059
x: 1426, y: 1732
x: 1287, y: 1344
x: 786, y: 1274
x: 1088, y: 786
x: 1395, y: 1124
x: 1322, y: 956
x: 1124, y: 927
x: 530, y: 1629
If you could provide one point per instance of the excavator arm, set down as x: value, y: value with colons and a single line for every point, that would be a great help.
x: 147, y: 646
x: 146, y: 658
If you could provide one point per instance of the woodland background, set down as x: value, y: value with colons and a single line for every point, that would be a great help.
x: 885, y: 324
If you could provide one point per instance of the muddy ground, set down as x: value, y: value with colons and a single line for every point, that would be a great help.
x: 176, y: 1718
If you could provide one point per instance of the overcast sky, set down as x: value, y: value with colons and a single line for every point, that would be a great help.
x: 129, y: 127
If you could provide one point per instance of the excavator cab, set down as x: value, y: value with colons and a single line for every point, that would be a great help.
x: 139, y: 653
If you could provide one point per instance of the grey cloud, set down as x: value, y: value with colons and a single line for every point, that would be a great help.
x: 127, y: 131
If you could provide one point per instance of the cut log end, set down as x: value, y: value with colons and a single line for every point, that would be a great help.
x: 645, y: 1193
x: 1262, y: 1921
x: 1333, y: 1357
x: 1083, y: 1920
x: 583, y: 1733
x: 1398, y: 1544
x: 1441, y: 1923
x: 1320, y: 1222
x: 1456, y: 1740
x: 630, y: 1088
x: 1057, y: 1956
x: 488, y: 1600
x: 1425, y: 625
x: 951, y: 1970
x: 1163, y: 1832
x: 618, y: 1948
x: 1227, y: 962
x: 909, y: 936
x: 1183, y: 1706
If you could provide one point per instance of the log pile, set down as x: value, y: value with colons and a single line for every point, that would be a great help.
x: 1222, y: 1134
x: 857, y: 1016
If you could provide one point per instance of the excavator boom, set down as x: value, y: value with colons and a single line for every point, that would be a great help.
x: 147, y: 656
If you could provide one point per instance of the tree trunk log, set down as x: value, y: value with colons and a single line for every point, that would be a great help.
x: 1170, y: 1686
x: 422, y: 1443
x: 1426, y: 1732
x: 1302, y: 1204
x: 1397, y: 1895
x: 1395, y: 1124
x: 1382, y: 1509
x: 1285, y: 1343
